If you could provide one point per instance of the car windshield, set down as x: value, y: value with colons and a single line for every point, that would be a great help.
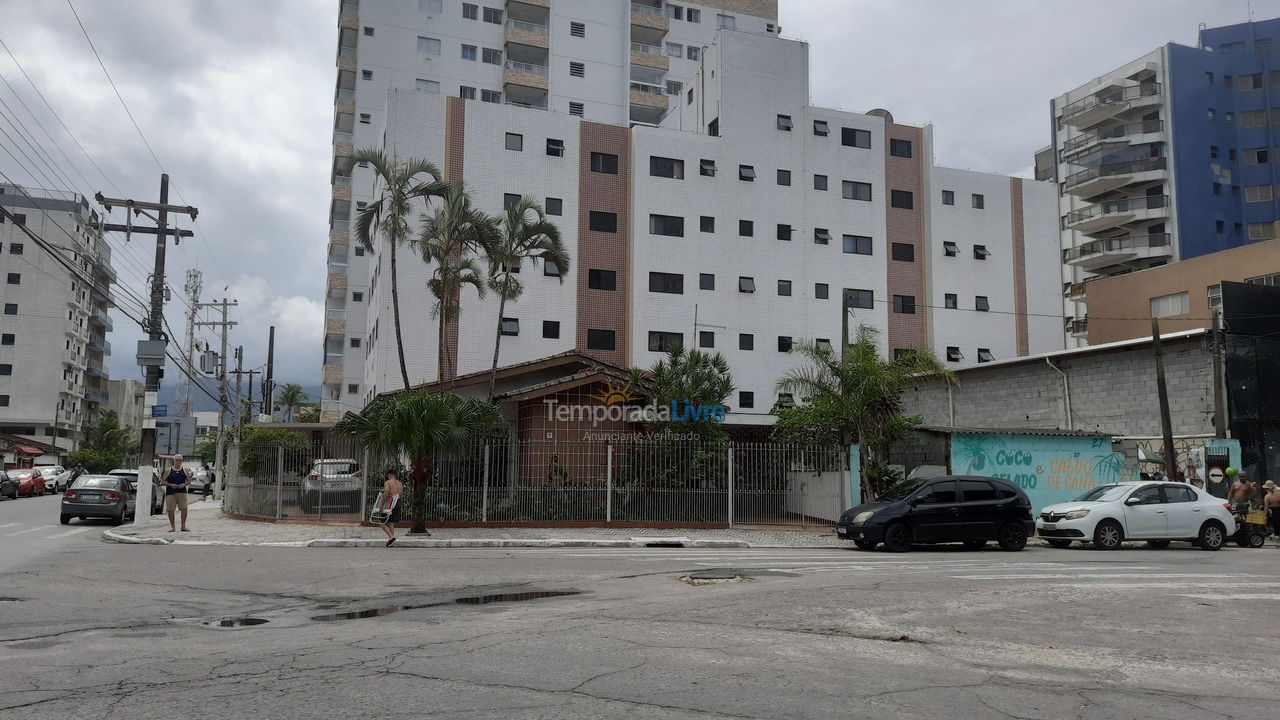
x: 336, y: 468
x: 97, y: 482
x: 1103, y: 493
x: 903, y: 489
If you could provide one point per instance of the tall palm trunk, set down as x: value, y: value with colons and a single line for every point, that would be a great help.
x: 395, y: 311
x: 440, y: 345
x: 497, y: 341
x: 421, y: 479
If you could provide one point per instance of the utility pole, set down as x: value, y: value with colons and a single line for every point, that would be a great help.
x: 1219, y: 401
x: 1166, y: 424
x: 239, y: 371
x: 151, y: 352
x: 195, y: 283
x: 268, y: 380
x: 223, y: 325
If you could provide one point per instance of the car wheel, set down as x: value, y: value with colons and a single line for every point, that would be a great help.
x: 66, y: 519
x: 975, y: 544
x: 1158, y: 544
x: 897, y: 538
x: 864, y: 544
x: 1013, y: 537
x: 1108, y: 535
x: 1256, y: 540
x: 1058, y: 543
x: 1211, y: 536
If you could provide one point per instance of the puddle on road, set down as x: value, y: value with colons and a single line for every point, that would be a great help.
x: 473, y: 600
x: 234, y: 622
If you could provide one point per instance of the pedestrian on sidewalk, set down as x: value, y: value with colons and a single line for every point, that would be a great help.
x: 209, y: 479
x: 1272, y: 506
x: 176, y: 481
x: 392, y: 489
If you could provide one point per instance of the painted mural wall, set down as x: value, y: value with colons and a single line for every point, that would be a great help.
x: 1050, y: 469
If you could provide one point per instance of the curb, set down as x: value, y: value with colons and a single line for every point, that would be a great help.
x: 116, y: 537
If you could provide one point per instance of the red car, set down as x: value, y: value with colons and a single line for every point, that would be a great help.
x: 30, y: 482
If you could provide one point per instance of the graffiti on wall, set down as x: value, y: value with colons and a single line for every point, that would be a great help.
x: 1051, y: 469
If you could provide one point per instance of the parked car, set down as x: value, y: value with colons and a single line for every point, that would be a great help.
x: 1157, y: 512
x: 59, y: 482
x: 968, y: 509
x: 50, y: 473
x: 332, y: 483
x: 100, y: 496
x: 157, y: 491
x: 8, y: 485
x: 30, y: 482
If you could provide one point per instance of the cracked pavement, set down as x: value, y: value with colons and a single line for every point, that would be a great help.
x: 102, y: 631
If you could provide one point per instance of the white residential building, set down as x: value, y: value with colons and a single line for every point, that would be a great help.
x: 54, y: 325
x: 727, y: 214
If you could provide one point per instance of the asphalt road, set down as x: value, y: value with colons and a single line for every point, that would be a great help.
x: 30, y: 530
x: 114, y: 631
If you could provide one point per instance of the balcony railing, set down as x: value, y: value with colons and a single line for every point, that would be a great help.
x: 646, y: 49
x: 647, y: 9
x: 337, y: 268
x: 1118, y: 168
x: 648, y: 88
x: 528, y: 27
x: 1131, y: 242
x: 1119, y: 131
x: 343, y: 180
x: 1132, y: 92
x: 529, y: 106
x: 343, y: 137
x: 525, y: 67
x: 1123, y: 205
x: 346, y: 94
x: 333, y: 358
x: 335, y: 314
x: 346, y: 51
x: 1078, y: 327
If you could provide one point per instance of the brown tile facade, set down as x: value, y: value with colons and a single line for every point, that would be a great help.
x: 603, y: 192
x: 767, y: 9
x: 1019, y: 267
x: 455, y: 118
x: 905, y: 226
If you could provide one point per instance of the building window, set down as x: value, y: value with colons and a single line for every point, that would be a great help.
x: 493, y: 15
x: 979, y: 202
x: 900, y: 148
x: 664, y: 341
x: 784, y: 177
x: 17, y: 248
x: 606, y: 163
x: 980, y: 252
x: 954, y: 354
x: 1213, y: 295
x: 7, y: 339
x: 1213, y: 152
x: 746, y: 399
x: 784, y: 123
x: 1170, y: 305
x: 11, y: 308
x: 353, y: 389
x: 707, y: 224
x: 359, y: 251
x: 707, y: 167
x: 551, y: 329
x: 852, y: 190
x: 365, y: 118
x: 577, y: 109
x: 555, y: 206
x: 555, y: 148
x: 430, y: 86
x: 746, y: 228
x: 784, y: 288
x: 821, y: 236
x: 470, y: 11
x: 821, y: 128
x: 606, y: 222
x: 706, y: 339
x: 355, y: 342
x: 950, y: 248
x: 666, y: 167
x: 1272, y: 280
x: 951, y: 301
x: 491, y: 56
x: 491, y: 96
x: 510, y: 326
x: 1257, y: 156
x: 510, y: 201
x: 862, y: 299
x: 981, y: 304
x: 985, y: 356
x: 784, y: 232
x: 675, y: 50
x: 693, y: 15
x: 857, y: 244
x: 672, y: 283
x: 746, y: 285
x: 948, y: 197
x: 747, y: 173
x: 1220, y: 226
x: 577, y: 29
x: 784, y: 343
x: 746, y: 341
x: 904, y: 252
x: 6, y: 369
x: 1211, y: 114
x: 577, y: 69
x: 515, y: 141
x: 550, y: 269
x: 853, y: 137
x: 428, y: 45
x: 706, y: 281
x: 901, y: 199
x: 15, y: 278
x: 668, y: 225
x: 727, y: 22
x: 821, y: 291
x: 1261, y: 231
x: 819, y: 182
x: 600, y: 339
x: 1253, y: 118
x: 602, y: 279
x: 904, y: 304
x: 366, y: 74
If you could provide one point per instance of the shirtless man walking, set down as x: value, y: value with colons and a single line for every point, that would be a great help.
x: 391, y: 487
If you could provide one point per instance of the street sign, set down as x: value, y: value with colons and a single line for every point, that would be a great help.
x: 159, y: 410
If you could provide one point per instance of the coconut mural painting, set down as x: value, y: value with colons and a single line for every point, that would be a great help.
x: 1049, y: 468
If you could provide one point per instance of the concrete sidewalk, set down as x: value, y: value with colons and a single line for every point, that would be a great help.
x: 210, y: 527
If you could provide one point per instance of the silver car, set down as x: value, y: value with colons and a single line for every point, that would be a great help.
x: 332, y: 483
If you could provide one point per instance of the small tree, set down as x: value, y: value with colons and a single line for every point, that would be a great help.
x: 690, y: 379
x: 107, y: 445
x: 291, y: 396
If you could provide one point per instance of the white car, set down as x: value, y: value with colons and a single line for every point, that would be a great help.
x: 1157, y: 512
x: 60, y: 482
x: 50, y: 474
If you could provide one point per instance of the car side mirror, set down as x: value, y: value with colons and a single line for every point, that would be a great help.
x: 1133, y: 501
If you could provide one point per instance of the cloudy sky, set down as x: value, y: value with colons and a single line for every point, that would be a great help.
x: 235, y: 98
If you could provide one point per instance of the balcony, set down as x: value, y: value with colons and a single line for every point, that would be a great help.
x: 514, y: 6
x: 523, y: 32
x: 1126, y: 134
x: 649, y: 96
x: 1114, y: 213
x: 349, y: 16
x: 333, y: 371
x: 1109, y: 102
x: 1078, y: 328
x: 650, y: 15
x: 336, y: 285
x: 97, y: 397
x: 1104, y: 178
x: 102, y: 321
x: 335, y: 322
x: 95, y: 372
x: 70, y: 357
x: 525, y: 74
x: 1123, y: 251
x: 104, y: 269
x: 339, y: 214
x: 649, y: 56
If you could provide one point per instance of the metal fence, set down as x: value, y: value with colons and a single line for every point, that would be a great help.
x: 642, y: 481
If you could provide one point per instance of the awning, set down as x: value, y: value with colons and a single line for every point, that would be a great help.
x: 25, y: 450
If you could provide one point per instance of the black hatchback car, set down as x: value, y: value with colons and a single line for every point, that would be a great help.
x: 951, y: 508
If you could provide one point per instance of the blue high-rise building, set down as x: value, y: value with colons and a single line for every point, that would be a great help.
x: 1169, y: 157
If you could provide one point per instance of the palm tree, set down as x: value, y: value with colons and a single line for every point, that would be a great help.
x: 691, y: 377
x: 526, y: 234
x: 454, y: 232
x: 424, y: 428
x: 291, y: 396
x: 403, y: 186
x: 861, y: 389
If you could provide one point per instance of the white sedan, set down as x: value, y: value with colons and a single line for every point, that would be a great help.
x: 1157, y: 512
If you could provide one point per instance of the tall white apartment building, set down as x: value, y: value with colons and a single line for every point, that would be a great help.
x: 702, y: 199
x: 53, y: 331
